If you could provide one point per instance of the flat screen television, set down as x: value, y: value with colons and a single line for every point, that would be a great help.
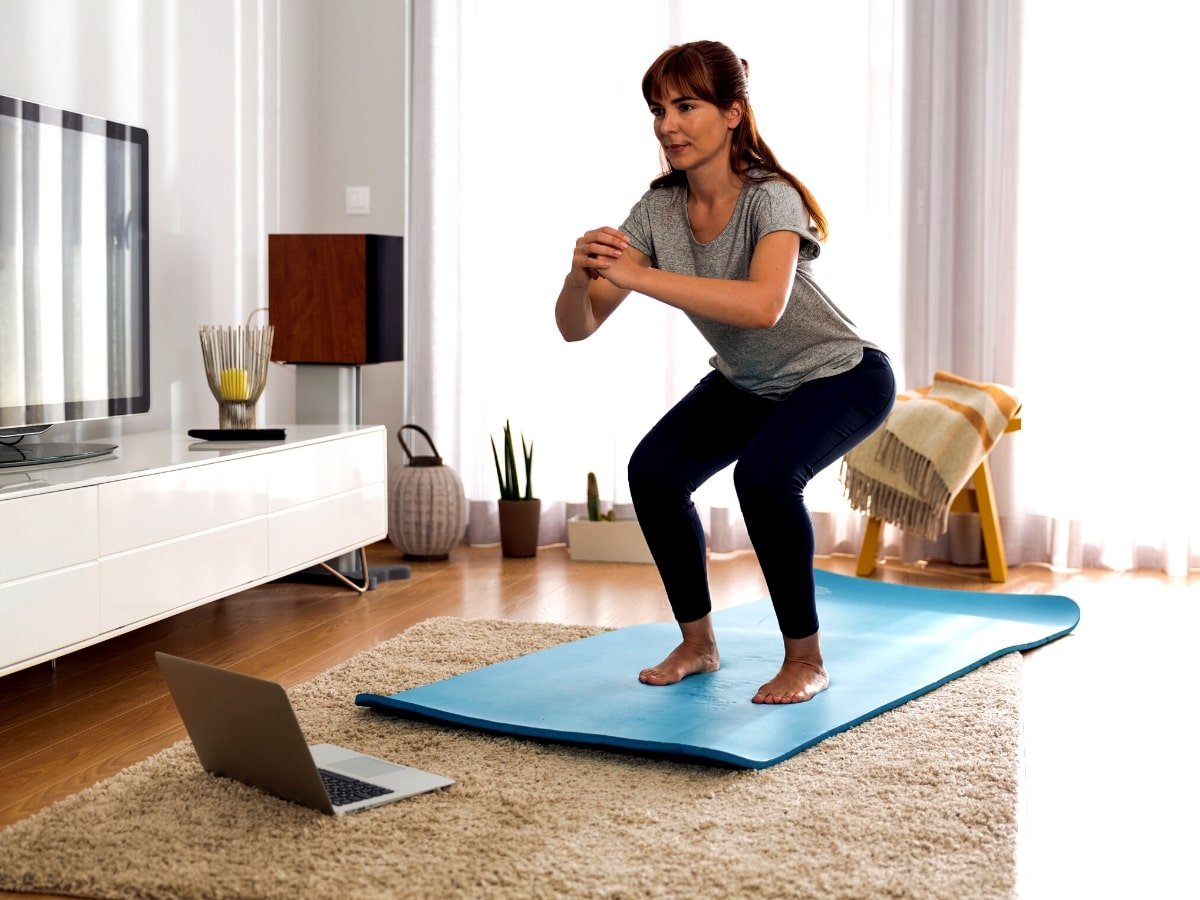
x: 74, y: 277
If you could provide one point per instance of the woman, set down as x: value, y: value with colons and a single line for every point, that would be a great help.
x: 728, y: 236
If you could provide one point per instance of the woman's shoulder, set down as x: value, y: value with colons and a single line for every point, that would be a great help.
x: 775, y: 196
x: 658, y: 216
x: 774, y: 204
x: 659, y: 201
x: 664, y: 195
x: 770, y: 184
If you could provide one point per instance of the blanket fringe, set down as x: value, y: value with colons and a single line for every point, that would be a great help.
x: 927, y: 514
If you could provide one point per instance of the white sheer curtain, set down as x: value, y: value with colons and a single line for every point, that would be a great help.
x: 1107, y: 287
x: 960, y: 83
x: 1011, y: 188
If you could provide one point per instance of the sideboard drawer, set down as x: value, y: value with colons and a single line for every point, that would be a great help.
x: 48, y: 531
x: 149, y: 509
x: 151, y: 582
x: 300, y: 536
x: 326, y: 469
x: 42, y: 614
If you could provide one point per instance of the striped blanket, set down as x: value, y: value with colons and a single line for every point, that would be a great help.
x: 909, y: 471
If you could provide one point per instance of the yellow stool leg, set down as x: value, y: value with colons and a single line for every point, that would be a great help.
x: 870, y: 547
x: 989, y: 522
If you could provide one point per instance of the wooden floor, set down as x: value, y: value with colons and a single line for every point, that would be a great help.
x: 1109, y: 786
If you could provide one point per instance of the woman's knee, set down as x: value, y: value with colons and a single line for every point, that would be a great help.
x: 651, y: 471
x: 758, y: 481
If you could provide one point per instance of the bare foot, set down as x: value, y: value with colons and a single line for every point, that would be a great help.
x: 795, y: 683
x: 802, y: 675
x: 686, y: 659
x: 697, y: 653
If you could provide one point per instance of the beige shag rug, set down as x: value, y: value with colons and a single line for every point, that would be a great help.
x: 917, y: 802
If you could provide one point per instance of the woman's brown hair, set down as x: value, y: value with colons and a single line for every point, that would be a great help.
x: 710, y: 71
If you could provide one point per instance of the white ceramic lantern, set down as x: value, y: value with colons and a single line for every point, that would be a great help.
x: 427, y: 505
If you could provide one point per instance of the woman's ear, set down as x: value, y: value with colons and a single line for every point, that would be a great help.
x: 733, y: 115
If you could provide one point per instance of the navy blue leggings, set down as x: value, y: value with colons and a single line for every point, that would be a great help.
x: 779, y: 445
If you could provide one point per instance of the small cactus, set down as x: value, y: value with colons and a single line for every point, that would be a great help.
x: 593, y: 498
x: 593, y: 501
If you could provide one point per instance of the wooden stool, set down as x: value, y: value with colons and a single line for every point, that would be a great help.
x: 977, y: 496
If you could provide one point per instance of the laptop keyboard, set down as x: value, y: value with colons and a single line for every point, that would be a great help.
x: 344, y: 791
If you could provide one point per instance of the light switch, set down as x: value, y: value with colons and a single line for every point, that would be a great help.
x: 358, y: 201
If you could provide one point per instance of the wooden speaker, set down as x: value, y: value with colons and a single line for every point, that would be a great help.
x: 336, y: 298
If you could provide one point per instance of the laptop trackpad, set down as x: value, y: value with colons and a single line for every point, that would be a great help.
x: 364, y: 767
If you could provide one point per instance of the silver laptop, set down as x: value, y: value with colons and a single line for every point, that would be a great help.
x: 245, y: 728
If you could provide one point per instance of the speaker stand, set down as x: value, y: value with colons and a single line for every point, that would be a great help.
x: 332, y: 395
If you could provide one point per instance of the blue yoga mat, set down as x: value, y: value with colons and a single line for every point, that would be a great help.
x: 883, y: 645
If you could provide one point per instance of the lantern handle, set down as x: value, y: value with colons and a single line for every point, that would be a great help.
x: 437, y: 457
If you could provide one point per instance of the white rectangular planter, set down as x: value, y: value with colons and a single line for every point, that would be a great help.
x: 617, y: 541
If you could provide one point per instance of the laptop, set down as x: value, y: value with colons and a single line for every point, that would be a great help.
x: 245, y: 728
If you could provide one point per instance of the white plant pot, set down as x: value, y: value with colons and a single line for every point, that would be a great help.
x: 618, y: 541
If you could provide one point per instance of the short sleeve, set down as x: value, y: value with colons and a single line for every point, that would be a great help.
x: 637, y: 226
x: 777, y: 206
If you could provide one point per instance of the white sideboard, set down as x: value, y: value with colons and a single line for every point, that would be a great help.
x: 91, y: 550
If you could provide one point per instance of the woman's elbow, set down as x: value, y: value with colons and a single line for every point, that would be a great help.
x: 571, y: 331
x: 769, y: 312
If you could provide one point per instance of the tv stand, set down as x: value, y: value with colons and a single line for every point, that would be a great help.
x: 167, y: 523
x: 39, y: 453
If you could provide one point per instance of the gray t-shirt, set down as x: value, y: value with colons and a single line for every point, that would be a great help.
x: 811, y: 340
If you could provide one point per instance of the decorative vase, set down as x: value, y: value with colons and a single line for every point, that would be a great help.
x: 235, y: 364
x: 427, y: 506
x: 519, y: 524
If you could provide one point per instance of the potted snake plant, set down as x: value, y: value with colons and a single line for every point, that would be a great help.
x: 520, y: 511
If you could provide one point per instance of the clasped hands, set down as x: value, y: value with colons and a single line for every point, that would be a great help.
x: 600, y: 253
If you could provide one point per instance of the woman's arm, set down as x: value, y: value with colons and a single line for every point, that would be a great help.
x: 586, y: 299
x: 757, y: 302
x: 580, y: 310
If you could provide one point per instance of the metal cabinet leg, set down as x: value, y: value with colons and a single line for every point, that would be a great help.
x: 366, y: 575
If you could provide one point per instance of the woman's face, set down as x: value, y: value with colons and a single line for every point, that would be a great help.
x: 692, y: 132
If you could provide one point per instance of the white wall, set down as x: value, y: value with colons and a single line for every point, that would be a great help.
x: 259, y: 112
x: 360, y: 63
